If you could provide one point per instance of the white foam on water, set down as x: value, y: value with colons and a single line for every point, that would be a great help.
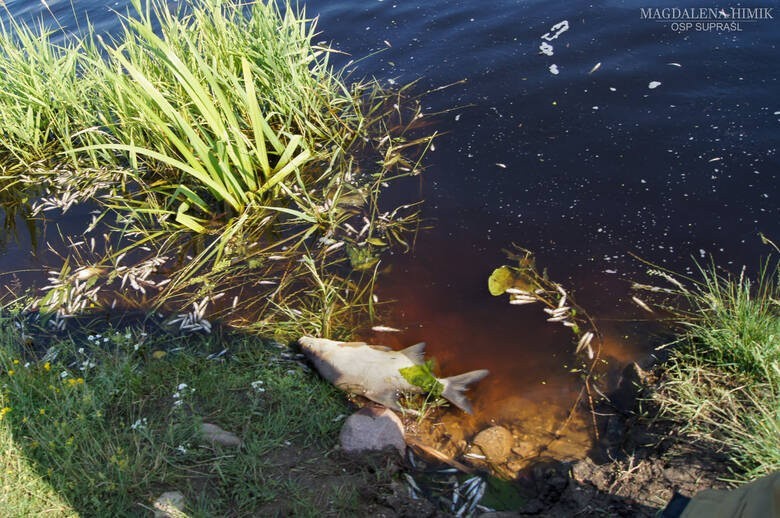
x: 556, y: 30
x: 546, y: 49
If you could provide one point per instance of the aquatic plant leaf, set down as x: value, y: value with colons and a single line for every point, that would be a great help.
x: 361, y: 258
x: 422, y: 376
x: 187, y: 220
x: 375, y: 241
x: 500, y: 280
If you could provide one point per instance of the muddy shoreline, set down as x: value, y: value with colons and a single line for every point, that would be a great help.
x: 640, y: 462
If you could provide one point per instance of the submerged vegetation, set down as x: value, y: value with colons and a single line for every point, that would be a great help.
x: 223, y: 158
x: 722, y: 381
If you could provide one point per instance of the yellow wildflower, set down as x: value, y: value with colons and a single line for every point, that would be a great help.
x: 16, y: 362
x: 47, y: 366
x: 42, y: 411
x: 11, y: 372
x: 4, y: 411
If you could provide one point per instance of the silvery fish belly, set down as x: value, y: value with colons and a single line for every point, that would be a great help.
x: 373, y: 371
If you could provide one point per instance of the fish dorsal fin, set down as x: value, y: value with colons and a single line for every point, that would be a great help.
x: 382, y: 348
x: 416, y: 353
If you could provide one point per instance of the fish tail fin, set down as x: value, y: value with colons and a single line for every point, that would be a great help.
x: 455, y: 386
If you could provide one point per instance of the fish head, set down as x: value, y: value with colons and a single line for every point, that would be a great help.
x: 320, y: 352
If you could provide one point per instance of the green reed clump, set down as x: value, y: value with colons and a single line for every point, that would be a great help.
x: 227, y: 156
x: 44, y: 102
x: 723, y: 378
x: 222, y: 104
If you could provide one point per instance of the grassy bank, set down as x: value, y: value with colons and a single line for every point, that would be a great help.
x: 106, y: 422
x: 722, y: 382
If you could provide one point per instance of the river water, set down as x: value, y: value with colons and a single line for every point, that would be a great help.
x: 638, y: 135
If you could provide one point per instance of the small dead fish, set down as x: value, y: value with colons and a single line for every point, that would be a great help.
x: 584, y: 341
x: 639, y: 302
x: 88, y: 272
x: 385, y: 329
x: 475, y: 456
x: 520, y: 300
x: 373, y: 371
x: 516, y: 291
x: 595, y: 67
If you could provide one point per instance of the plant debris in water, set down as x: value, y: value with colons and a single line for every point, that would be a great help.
x: 525, y: 285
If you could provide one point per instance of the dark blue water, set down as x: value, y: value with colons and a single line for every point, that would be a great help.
x: 584, y: 166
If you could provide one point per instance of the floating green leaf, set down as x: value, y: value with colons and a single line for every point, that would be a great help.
x: 501, y: 279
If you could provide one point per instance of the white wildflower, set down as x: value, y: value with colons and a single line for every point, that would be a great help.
x: 139, y: 425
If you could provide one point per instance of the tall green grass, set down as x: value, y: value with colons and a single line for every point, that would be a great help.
x: 41, y: 96
x: 723, y: 379
x: 223, y: 103
x: 216, y: 136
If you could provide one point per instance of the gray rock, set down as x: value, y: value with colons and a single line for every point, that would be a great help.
x: 372, y: 429
x: 496, y: 444
x: 216, y: 435
x: 169, y: 505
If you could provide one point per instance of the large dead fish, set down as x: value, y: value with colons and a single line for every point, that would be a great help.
x: 373, y: 371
